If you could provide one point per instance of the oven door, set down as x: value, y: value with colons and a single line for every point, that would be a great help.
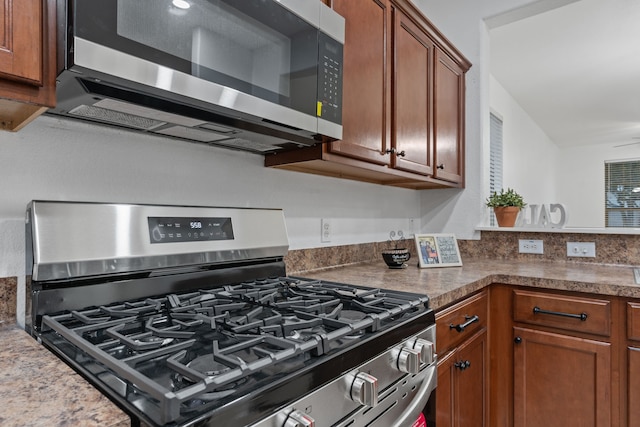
x: 262, y: 52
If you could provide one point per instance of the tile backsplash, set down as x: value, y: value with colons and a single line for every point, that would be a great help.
x: 622, y: 249
x: 317, y: 258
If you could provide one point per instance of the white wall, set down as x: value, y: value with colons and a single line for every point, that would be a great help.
x: 544, y: 172
x: 581, y: 180
x: 530, y: 157
x: 462, y: 22
x: 61, y: 159
x: 581, y: 184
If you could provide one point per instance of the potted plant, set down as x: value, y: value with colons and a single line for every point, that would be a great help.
x: 506, y: 206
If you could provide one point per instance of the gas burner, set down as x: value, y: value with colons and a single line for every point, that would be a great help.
x: 306, y: 334
x: 179, y: 382
x: 354, y: 334
x: 351, y: 316
x: 208, y: 366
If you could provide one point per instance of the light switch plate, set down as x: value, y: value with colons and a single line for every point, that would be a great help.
x: 581, y: 249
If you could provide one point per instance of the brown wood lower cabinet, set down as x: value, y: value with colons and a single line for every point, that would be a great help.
x: 547, y: 358
x: 461, y: 392
x: 557, y: 358
x: 633, y: 363
x: 560, y: 380
x: 633, y: 389
x: 462, y: 343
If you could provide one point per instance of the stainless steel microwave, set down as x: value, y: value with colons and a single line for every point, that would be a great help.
x: 257, y: 75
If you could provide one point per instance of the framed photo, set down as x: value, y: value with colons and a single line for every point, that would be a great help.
x: 437, y: 250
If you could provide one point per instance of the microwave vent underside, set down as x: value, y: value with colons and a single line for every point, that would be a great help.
x: 115, y: 117
x: 126, y: 118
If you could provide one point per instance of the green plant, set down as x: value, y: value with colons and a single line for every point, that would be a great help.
x: 505, y: 198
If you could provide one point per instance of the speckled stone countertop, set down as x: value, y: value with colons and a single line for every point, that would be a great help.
x: 38, y: 389
x: 445, y: 285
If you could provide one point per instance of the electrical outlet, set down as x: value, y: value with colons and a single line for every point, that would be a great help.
x: 530, y: 246
x: 325, y: 230
x: 413, y: 226
x: 581, y: 249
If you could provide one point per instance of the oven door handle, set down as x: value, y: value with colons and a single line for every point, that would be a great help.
x: 411, y: 414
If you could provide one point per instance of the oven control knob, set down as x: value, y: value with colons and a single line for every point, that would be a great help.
x: 425, y: 348
x: 299, y: 419
x: 364, y: 389
x: 409, y: 361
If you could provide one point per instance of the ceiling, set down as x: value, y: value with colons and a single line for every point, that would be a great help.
x: 575, y: 69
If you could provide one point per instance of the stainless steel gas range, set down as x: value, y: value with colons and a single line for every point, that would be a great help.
x: 185, y: 316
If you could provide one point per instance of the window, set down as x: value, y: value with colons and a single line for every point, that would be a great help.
x: 495, y: 157
x: 622, y: 193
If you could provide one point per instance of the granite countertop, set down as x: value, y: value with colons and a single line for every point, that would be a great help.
x: 37, y: 389
x: 445, y: 285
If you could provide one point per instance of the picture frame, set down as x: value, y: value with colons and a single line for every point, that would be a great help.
x: 437, y: 250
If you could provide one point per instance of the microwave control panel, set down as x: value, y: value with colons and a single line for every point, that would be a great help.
x: 330, y: 79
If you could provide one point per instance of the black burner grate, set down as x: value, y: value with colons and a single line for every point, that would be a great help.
x: 221, y: 343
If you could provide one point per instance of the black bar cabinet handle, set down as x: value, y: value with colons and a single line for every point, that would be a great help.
x: 462, y: 326
x: 581, y: 316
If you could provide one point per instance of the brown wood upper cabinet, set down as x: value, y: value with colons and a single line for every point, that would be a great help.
x: 412, y: 142
x: 403, y: 102
x: 449, y: 119
x: 27, y: 60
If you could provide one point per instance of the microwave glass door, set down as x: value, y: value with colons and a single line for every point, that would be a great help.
x: 257, y: 47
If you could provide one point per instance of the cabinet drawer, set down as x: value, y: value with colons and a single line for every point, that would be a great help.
x: 633, y: 321
x: 460, y: 321
x: 577, y: 314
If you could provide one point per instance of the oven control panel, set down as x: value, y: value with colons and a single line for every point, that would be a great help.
x: 189, y: 229
x: 377, y: 393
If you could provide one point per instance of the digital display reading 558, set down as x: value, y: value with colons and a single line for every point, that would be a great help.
x: 174, y: 229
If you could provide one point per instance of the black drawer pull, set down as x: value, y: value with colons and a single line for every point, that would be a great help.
x: 581, y: 316
x: 462, y: 326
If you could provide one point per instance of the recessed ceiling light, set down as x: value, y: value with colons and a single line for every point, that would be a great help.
x: 182, y: 4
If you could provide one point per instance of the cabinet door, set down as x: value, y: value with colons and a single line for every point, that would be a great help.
x: 461, y: 393
x: 561, y: 380
x: 445, y: 391
x: 472, y: 382
x: 449, y: 119
x: 21, y: 40
x: 412, y: 97
x: 365, y: 119
x: 633, y: 392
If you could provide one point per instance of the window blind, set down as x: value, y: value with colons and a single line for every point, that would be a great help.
x: 622, y: 193
x: 495, y: 157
